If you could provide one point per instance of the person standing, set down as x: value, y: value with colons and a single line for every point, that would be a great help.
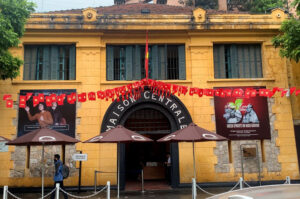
x: 58, y: 176
x: 168, y: 167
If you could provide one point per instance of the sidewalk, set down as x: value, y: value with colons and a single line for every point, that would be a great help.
x: 169, y: 194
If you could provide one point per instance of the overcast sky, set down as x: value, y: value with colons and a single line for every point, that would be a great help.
x: 51, y: 5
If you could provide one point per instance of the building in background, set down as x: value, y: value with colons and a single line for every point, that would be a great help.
x: 102, y: 48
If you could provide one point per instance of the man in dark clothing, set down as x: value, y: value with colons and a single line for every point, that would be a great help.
x: 58, y: 176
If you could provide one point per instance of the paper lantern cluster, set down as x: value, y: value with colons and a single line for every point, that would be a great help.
x: 134, y: 90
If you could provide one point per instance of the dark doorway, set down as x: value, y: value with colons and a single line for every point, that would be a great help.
x: 297, y: 137
x: 149, y: 157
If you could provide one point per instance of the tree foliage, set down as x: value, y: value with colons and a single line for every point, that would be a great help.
x: 256, y: 6
x: 289, y: 38
x: 13, y: 16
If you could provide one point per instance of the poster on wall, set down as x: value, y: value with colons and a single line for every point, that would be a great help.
x: 58, y: 115
x: 242, y: 118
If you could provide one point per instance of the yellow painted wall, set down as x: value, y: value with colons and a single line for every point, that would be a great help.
x: 91, y: 76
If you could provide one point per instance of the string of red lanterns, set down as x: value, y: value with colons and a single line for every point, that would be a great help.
x: 134, y: 90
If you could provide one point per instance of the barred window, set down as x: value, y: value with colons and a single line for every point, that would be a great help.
x: 49, y: 62
x: 237, y: 61
x: 127, y: 62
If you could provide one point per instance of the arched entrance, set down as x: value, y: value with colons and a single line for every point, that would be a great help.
x: 153, y: 116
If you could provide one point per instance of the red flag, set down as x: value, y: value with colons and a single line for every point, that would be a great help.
x: 146, y: 56
x: 35, y: 101
x: 60, y: 100
x: 70, y: 99
x: 28, y: 96
x: 41, y: 97
x: 48, y: 101
x: 9, y: 103
x: 92, y: 96
x: 53, y: 97
x: 6, y: 96
x: 22, y: 102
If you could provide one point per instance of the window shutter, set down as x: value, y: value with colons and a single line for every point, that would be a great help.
x: 54, y: 55
x: 129, y: 63
x: 219, y: 61
x: 46, y: 63
x: 233, y: 69
x: 181, y: 58
x: 162, y: 60
x: 137, y: 63
x: 109, y: 63
x: 29, y: 70
x: 258, y: 61
x: 72, y: 62
x: 154, y: 62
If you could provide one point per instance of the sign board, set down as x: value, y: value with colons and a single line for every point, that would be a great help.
x: 79, y: 157
x: 249, y: 152
x: 242, y: 118
x: 63, y: 116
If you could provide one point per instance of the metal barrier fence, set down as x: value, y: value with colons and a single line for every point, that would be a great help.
x: 241, y: 182
x: 57, y: 189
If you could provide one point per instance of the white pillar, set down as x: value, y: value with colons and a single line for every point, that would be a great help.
x: 57, y: 191
x: 288, y: 180
x: 194, y: 188
x: 5, y: 192
x: 108, y: 190
x: 241, y: 182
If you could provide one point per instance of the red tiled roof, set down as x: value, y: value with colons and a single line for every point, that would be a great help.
x: 134, y: 9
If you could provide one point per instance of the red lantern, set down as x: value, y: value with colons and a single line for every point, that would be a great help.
x: 92, y: 96
x: 9, y: 103
x: 35, y: 101
x: 41, y: 97
x: 6, y: 96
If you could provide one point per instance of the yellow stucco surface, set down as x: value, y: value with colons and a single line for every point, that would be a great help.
x: 91, y: 76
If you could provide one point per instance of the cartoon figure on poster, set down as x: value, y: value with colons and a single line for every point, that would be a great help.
x: 233, y: 114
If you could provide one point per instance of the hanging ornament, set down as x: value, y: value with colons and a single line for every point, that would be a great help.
x: 9, y: 103
x: 35, y: 101
x: 82, y: 97
x: 22, y: 101
x: 217, y: 92
x: 297, y: 92
x: 70, y: 99
x: 60, y: 100
x: 110, y: 94
x: 92, y: 96
x: 28, y: 96
x: 100, y: 94
x: 292, y: 90
x: 253, y: 93
x: 262, y: 92
x: 48, y: 101
x: 6, y: 96
x: 41, y: 97
x: 53, y: 97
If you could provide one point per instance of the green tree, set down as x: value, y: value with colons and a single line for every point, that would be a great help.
x: 289, y: 38
x: 13, y: 16
x: 256, y: 6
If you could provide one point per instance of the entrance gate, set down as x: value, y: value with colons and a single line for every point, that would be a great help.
x: 170, y: 107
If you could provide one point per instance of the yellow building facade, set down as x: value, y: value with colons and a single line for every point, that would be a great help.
x: 92, y: 31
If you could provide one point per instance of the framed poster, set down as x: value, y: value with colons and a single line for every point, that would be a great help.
x: 57, y: 116
x: 242, y: 118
